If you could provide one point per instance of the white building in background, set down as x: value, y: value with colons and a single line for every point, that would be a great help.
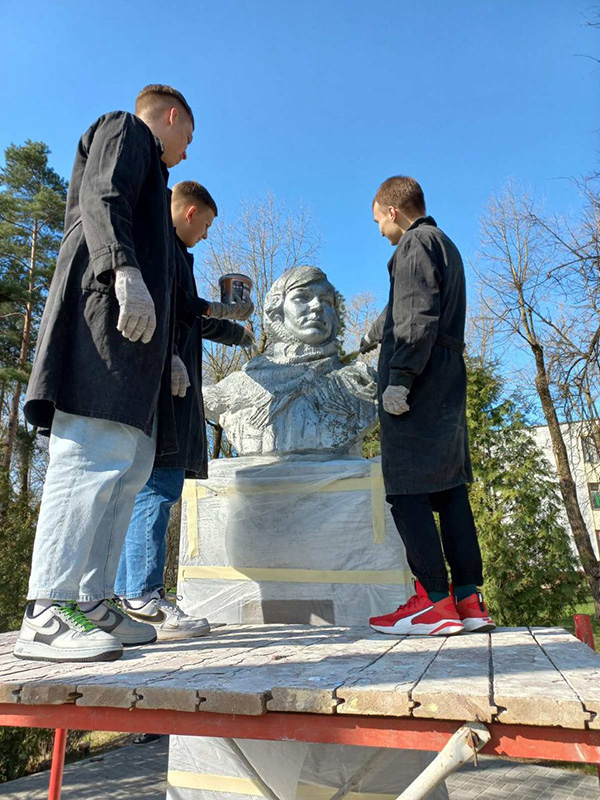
x: 584, y: 458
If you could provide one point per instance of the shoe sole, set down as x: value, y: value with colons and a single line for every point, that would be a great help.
x: 43, y: 652
x: 444, y: 627
x: 133, y: 641
x: 477, y: 625
x: 164, y: 636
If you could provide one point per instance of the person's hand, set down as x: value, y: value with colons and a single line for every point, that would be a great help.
x: 394, y: 400
x: 137, y: 317
x: 179, y: 377
x: 239, y: 310
x: 366, y: 344
x: 248, y: 339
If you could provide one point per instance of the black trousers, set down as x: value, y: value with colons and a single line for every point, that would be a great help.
x: 413, y: 515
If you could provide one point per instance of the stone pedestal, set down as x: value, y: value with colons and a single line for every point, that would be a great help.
x: 298, y: 540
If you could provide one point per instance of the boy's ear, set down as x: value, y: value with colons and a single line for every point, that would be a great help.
x: 393, y: 212
x: 173, y: 114
x: 189, y: 213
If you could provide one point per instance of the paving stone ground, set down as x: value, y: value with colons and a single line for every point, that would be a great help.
x: 139, y: 773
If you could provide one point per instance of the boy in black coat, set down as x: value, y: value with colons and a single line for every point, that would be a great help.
x: 422, y: 411
x: 101, y: 377
x: 140, y: 577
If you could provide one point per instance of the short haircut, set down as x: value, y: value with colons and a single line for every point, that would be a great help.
x: 194, y: 194
x: 401, y: 192
x: 157, y: 96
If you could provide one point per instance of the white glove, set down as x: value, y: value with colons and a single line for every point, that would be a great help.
x: 247, y: 339
x: 394, y: 400
x: 179, y: 377
x: 137, y: 318
x: 239, y: 310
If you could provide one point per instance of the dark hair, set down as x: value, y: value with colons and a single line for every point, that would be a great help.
x: 401, y: 192
x: 194, y: 193
x: 162, y: 93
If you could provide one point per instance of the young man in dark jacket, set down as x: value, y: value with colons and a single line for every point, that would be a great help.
x: 140, y: 577
x: 101, y: 378
x: 422, y: 411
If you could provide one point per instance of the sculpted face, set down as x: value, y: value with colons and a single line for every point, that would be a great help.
x: 309, y: 312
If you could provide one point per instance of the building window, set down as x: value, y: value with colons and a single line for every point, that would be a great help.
x: 591, y: 453
x: 594, y: 489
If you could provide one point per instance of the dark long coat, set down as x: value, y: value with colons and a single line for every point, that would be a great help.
x: 422, y: 333
x: 118, y: 213
x: 191, y: 329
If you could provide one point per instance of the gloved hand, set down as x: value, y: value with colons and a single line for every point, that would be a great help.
x: 239, y: 311
x: 394, y: 400
x: 366, y: 345
x: 248, y: 339
x: 137, y: 317
x: 179, y: 377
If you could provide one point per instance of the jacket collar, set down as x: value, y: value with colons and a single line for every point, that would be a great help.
x: 422, y: 221
x: 188, y: 256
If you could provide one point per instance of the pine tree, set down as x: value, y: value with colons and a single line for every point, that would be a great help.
x: 531, y: 575
x: 32, y: 207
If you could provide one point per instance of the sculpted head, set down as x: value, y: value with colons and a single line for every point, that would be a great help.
x: 302, y: 306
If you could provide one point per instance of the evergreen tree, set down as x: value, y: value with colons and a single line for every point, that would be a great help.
x: 531, y: 576
x: 32, y: 207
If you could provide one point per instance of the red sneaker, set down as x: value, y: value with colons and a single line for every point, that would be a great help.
x: 421, y: 616
x: 474, y: 614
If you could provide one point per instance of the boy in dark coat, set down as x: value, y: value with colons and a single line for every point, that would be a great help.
x: 422, y: 411
x: 140, y: 577
x: 101, y: 378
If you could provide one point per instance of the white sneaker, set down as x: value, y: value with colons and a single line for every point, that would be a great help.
x: 167, y: 618
x: 111, y: 618
x: 64, y: 633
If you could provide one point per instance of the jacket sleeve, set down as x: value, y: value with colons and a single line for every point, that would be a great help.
x: 117, y: 165
x: 375, y: 333
x: 223, y: 331
x: 415, y: 311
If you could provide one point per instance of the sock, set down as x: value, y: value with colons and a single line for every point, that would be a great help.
x: 460, y: 592
x: 42, y: 603
x: 435, y: 597
x: 138, y: 602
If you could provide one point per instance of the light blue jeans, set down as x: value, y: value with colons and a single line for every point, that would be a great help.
x: 143, y: 558
x: 95, y: 471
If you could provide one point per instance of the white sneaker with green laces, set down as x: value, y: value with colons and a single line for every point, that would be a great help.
x: 167, y: 618
x: 111, y: 618
x: 63, y: 633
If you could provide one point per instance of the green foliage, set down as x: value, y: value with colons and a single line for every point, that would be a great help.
x: 530, y: 572
x: 16, y: 545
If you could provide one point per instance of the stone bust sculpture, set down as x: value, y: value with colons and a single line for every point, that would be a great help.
x: 297, y: 397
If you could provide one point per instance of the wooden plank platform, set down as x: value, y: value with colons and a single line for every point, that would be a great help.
x: 538, y: 676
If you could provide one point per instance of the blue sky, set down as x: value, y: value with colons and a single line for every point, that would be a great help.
x: 321, y: 100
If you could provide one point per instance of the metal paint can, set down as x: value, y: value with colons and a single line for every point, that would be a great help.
x: 235, y: 287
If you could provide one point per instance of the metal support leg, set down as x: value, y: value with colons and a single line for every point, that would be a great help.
x: 462, y: 747
x: 58, y: 763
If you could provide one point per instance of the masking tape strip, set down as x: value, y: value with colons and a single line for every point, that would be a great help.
x: 283, y: 575
x: 208, y: 782
x: 190, y: 498
x: 194, y: 491
x: 377, y: 503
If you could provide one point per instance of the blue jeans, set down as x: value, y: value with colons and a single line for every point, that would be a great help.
x: 95, y: 471
x: 144, y: 553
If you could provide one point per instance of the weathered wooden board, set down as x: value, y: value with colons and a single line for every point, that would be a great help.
x: 578, y: 664
x: 526, y: 686
x: 538, y: 677
x: 384, y: 687
x: 313, y: 685
x: 456, y: 684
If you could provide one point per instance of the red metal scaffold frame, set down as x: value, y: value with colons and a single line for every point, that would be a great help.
x: 511, y: 741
